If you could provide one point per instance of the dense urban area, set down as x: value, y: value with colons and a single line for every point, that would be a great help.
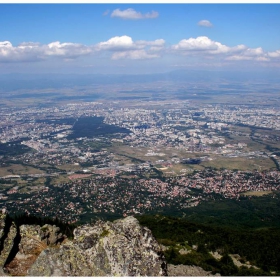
x: 123, y: 157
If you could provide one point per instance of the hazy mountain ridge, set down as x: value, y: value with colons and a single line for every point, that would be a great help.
x: 16, y: 81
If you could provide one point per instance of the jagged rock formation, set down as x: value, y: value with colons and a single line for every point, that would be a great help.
x: 7, y: 240
x: 7, y: 234
x: 119, y: 248
x: 33, y: 240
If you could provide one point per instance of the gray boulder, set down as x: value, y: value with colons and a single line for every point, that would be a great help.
x: 119, y: 248
x: 51, y: 235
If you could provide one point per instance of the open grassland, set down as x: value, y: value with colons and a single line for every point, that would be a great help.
x: 256, y: 193
x: 240, y: 163
x: 59, y: 180
x: 18, y: 169
x: 69, y: 167
x: 31, y: 189
x: 241, y: 129
x: 255, y: 146
x: 139, y: 153
x: 39, y: 181
x: 21, y: 182
x: 251, y: 136
x: 180, y: 169
x: 128, y: 155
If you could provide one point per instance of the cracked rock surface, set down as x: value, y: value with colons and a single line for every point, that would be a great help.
x: 119, y: 248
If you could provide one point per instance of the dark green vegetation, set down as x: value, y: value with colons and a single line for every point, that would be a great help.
x: 259, y: 246
x: 248, y: 212
x: 249, y: 227
x: 13, y: 149
x: 94, y: 126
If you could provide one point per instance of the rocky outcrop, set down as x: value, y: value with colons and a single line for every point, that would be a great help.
x: 119, y: 248
x: 8, y: 234
x: 33, y: 240
x: 2, y: 224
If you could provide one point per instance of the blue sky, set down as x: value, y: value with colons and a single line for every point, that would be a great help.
x: 138, y: 38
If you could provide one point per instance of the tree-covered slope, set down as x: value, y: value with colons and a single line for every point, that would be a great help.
x: 191, y: 243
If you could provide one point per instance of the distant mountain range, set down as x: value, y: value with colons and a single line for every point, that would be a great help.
x: 15, y: 81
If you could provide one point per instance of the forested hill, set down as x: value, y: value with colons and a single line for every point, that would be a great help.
x: 224, y: 250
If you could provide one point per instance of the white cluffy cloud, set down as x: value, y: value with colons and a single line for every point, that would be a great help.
x: 132, y: 14
x: 24, y: 52
x: 203, y: 46
x: 275, y: 54
x: 69, y: 50
x: 30, y: 51
x: 117, y: 43
x: 250, y: 54
x: 125, y: 47
x: 119, y: 46
x: 200, y: 44
x: 205, y: 23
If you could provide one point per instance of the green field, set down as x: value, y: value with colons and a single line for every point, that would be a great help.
x: 19, y: 169
x: 240, y: 163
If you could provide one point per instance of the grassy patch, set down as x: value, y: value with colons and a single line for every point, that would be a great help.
x: 240, y: 163
x: 59, y: 179
x: 18, y: 169
x: 255, y: 193
x: 69, y: 167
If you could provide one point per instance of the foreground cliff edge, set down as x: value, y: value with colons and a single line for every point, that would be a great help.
x: 119, y: 248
